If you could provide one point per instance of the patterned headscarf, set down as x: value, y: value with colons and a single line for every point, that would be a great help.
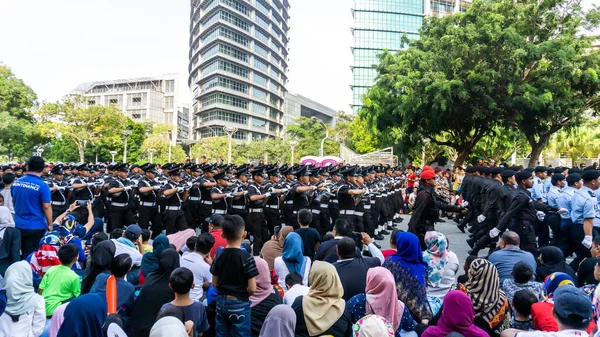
x: 483, y: 287
x: 555, y: 280
x: 371, y: 326
x: 436, y: 257
x: 67, y: 228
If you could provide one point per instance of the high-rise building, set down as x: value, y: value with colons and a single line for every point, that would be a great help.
x: 144, y: 99
x: 237, y: 67
x: 379, y: 25
x: 300, y: 106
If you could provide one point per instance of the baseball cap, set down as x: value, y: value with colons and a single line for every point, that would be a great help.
x: 215, y: 219
x: 572, y: 303
x: 133, y: 232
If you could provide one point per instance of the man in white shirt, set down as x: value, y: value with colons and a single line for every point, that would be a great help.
x: 293, y: 283
x: 199, y: 261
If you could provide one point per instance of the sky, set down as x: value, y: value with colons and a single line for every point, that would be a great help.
x: 56, y: 45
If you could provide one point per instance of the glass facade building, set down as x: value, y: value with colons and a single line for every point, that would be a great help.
x: 237, y: 67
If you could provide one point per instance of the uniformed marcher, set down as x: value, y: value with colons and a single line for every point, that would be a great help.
x: 193, y: 204
x: 58, y: 192
x: 491, y: 210
x: 174, y: 194
x: 206, y: 185
x: 299, y: 193
x: 574, y: 182
x: 83, y: 189
x: 272, y: 214
x: 239, y: 204
x: 347, y: 195
x: 257, y: 225
x: 334, y: 206
x: 149, y: 190
x: 558, y: 182
x: 121, y: 214
x: 287, y: 206
x: 218, y: 194
x: 584, y: 214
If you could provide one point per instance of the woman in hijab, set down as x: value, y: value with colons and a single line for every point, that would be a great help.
x: 372, y: 326
x: 442, y: 266
x: 457, y: 317
x: 292, y: 260
x: 381, y: 298
x: 84, y: 317
x: 552, y: 260
x: 153, y: 295
x: 281, y: 322
x: 410, y: 273
x: 168, y: 327
x: 150, y: 259
x: 264, y: 299
x: 322, y: 311
x: 58, y: 317
x: 489, y: 302
x: 25, y: 313
x: 10, y: 240
x: 274, y: 247
x: 100, y: 262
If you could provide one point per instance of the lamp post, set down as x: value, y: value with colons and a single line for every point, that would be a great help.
x: 326, y: 135
x: 170, y: 144
x: 230, y: 130
x: 40, y: 150
x: 126, y: 134
x: 151, y: 153
x: 113, y: 153
x: 425, y: 141
x: 293, y: 144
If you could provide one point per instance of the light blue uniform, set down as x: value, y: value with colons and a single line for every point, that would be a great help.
x: 553, y: 196
x: 547, y: 184
x: 564, y: 201
x: 583, y: 205
x: 537, y: 191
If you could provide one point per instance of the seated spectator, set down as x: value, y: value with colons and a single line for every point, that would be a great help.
x: 2, y: 299
x: 76, y: 227
x: 294, y: 288
x: 190, y: 245
x: 552, y: 260
x: 463, y: 278
x: 25, y: 313
x: 389, y: 252
x: 492, y: 312
x: 280, y: 322
x: 521, y: 303
x: 572, y: 312
x: 264, y: 299
x: 179, y: 314
x: 120, y: 266
x: 509, y: 254
x: 10, y: 239
x: 292, y: 260
x: 145, y: 239
x: 322, y: 311
x: 372, y: 325
x: 380, y: 288
x: 352, y: 270
x: 60, y: 283
x: 214, y: 228
x: 131, y: 244
x: 522, y: 280
x: 57, y: 320
x: 101, y: 256
x: 8, y: 179
x: 84, y: 316
x: 327, y: 250
x: 585, y: 272
x: 181, y: 282
x: 457, y: 316
x: 196, y: 262
x: 168, y: 326
x: 310, y: 236
x: 151, y: 260
x: 410, y: 272
x: 273, y: 248
x: 442, y: 266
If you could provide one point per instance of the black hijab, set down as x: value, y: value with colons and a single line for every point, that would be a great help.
x: 153, y: 295
x: 553, y: 261
x: 101, y: 259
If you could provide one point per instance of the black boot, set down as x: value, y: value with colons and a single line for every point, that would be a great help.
x: 474, y: 251
x: 471, y: 242
x: 378, y: 237
x: 384, y: 232
x: 461, y: 227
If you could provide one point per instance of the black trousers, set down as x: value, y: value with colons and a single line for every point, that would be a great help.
x: 174, y: 221
x: 58, y: 210
x: 325, y: 221
x: 257, y: 225
x: 349, y: 217
x: 30, y: 240
x: 334, y: 212
x: 192, y: 214
x: 526, y: 231
x: 150, y: 214
x: 289, y: 217
x: 272, y: 218
x: 359, y: 225
x: 205, y: 211
x: 368, y: 221
x: 119, y: 218
x: 559, y: 237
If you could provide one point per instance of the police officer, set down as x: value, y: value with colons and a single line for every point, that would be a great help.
x: 491, y: 211
x: 257, y: 224
x: 537, y: 192
x: 334, y: 206
x: 121, y: 214
x: 206, y: 185
x: 219, y: 195
x: 558, y: 182
x: 239, y: 204
x: 347, y: 195
x: 83, y: 189
x: 288, y: 202
x: 584, y: 215
x: 174, y: 193
x: 148, y: 190
x: 193, y: 204
x: 574, y: 182
x: 272, y: 214
x: 58, y: 192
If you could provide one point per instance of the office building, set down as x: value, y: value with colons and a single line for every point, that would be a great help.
x: 298, y: 105
x: 237, y: 67
x: 379, y: 25
x: 144, y: 99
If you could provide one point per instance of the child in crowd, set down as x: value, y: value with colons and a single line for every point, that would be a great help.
x: 189, y: 246
x: 462, y: 279
x: 60, y: 284
x: 181, y: 282
x: 198, y: 261
x: 145, y: 239
x: 521, y: 303
x: 523, y: 279
x: 234, y: 277
x: 310, y: 236
x: 119, y: 267
x: 293, y: 283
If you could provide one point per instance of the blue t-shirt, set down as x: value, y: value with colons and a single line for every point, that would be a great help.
x: 28, y: 193
x: 195, y: 313
x: 125, y: 291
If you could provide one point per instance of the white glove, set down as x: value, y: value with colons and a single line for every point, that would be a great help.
x: 481, y: 218
x: 127, y: 188
x: 156, y: 188
x: 91, y: 184
x: 284, y: 190
x: 494, y: 232
x: 179, y: 189
x: 60, y: 188
x: 245, y: 192
x: 563, y: 211
x: 230, y: 195
x: 587, y: 241
x: 465, y: 203
x: 268, y: 194
x: 540, y: 215
x: 314, y: 187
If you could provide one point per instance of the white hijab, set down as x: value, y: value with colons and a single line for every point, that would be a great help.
x: 6, y: 220
x: 168, y: 327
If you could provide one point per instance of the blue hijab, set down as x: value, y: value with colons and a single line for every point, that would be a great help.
x: 150, y: 259
x: 293, y: 253
x: 409, y: 255
x: 84, y: 317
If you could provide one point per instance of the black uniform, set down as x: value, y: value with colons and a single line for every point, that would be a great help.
x: 257, y: 224
x: 173, y: 216
x: 120, y: 208
x: 148, y: 209
x: 58, y: 197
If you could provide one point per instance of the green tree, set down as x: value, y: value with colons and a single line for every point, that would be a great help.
x: 159, y: 141
x: 16, y: 97
x: 61, y: 149
x: 309, y: 132
x: 102, y: 148
x: 18, y: 137
x: 213, y: 148
x: 500, y: 144
x: 577, y: 143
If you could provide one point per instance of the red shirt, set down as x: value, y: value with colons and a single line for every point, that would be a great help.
x: 387, y: 253
x: 411, y: 179
x: 541, y: 314
x: 219, y: 241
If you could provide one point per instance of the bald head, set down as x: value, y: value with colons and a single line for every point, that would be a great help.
x: 511, y: 238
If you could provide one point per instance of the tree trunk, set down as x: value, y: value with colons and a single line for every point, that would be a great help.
x: 81, y: 149
x: 461, y: 156
x: 536, y: 149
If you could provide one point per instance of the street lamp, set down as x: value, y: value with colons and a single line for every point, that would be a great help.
x: 170, y: 144
x: 425, y: 141
x: 126, y: 134
x: 151, y: 152
x: 293, y: 144
x: 326, y: 135
x: 230, y: 130
x: 40, y: 150
x: 113, y: 153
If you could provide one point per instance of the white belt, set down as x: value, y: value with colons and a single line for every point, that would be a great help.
x: 289, y: 202
x: 238, y: 207
x: 273, y: 206
x: 147, y: 203
x: 335, y: 201
x: 324, y: 205
x: 397, y: 190
x: 316, y: 211
x: 58, y: 203
x: 194, y: 198
x: 367, y: 206
x: 256, y: 210
x: 358, y: 213
x: 207, y: 202
x: 385, y: 194
x: 378, y: 196
x: 118, y: 204
x: 219, y: 211
x: 347, y: 211
x: 173, y: 208
x: 372, y: 202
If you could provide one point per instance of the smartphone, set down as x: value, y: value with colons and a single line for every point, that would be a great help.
x: 82, y: 203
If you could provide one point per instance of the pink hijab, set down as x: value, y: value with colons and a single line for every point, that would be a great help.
x: 178, y: 239
x: 382, y: 297
x: 264, y: 288
x: 457, y: 316
x: 57, y: 320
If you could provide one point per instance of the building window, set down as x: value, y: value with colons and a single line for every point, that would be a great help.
x: 258, y: 64
x: 169, y: 86
x: 225, y: 116
x: 259, y: 79
x: 137, y: 100
x: 225, y: 99
x: 259, y: 108
x: 91, y: 102
x: 261, y: 94
x: 169, y: 102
